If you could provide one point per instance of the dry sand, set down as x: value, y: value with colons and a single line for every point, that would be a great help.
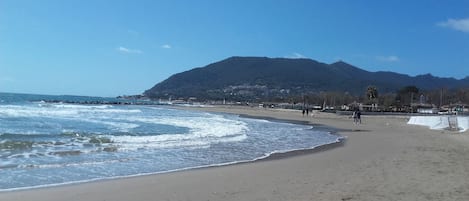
x: 382, y: 159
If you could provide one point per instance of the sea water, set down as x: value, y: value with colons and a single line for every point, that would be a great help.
x: 46, y: 144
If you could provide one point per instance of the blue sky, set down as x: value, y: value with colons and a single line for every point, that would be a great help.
x: 112, y: 47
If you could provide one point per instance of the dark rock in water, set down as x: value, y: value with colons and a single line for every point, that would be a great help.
x: 100, y: 140
x: 110, y: 149
x: 16, y: 145
x: 59, y: 143
x: 67, y: 153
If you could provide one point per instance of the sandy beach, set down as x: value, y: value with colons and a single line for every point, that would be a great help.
x: 381, y: 159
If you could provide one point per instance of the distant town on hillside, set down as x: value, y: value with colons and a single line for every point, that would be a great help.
x: 309, y: 83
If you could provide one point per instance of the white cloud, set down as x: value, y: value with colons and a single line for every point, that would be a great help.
x: 166, y: 46
x: 296, y: 55
x: 456, y: 24
x: 129, y: 51
x: 388, y: 58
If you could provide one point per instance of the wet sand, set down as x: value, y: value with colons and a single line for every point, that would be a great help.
x: 381, y: 159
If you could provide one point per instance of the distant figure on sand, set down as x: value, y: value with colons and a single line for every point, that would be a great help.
x: 357, y: 117
x: 303, y: 112
x: 354, y: 116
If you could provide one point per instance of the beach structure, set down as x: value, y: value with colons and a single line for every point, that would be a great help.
x: 442, y: 122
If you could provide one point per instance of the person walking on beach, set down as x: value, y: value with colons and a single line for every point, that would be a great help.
x: 359, y: 114
x: 355, y: 116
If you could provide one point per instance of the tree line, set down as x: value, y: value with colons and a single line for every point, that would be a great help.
x: 405, y: 97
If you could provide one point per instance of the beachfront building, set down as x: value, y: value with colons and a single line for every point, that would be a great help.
x: 363, y: 107
x: 424, y: 108
x: 455, y: 108
x: 427, y: 110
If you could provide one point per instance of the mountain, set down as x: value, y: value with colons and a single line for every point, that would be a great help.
x: 262, y: 77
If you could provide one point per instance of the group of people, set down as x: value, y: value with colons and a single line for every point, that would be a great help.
x: 307, y: 111
x: 357, y: 117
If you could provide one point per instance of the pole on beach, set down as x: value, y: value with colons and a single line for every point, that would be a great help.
x: 441, y: 98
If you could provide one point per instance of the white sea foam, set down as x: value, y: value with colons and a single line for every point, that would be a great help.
x: 261, y: 120
x: 203, y: 131
x: 214, y: 125
x: 95, y: 109
x: 124, y: 111
x: 61, y: 111
x: 60, y: 165
x: 16, y: 131
x: 132, y: 143
x: 74, y: 106
x: 26, y: 111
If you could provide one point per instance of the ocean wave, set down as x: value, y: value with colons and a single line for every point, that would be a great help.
x: 74, y: 106
x: 97, y: 163
x: 62, y: 111
x: 26, y: 111
x: 67, y: 144
x: 61, y: 165
x: 133, y: 143
x: 206, y: 126
x: 119, y: 126
x: 15, y: 145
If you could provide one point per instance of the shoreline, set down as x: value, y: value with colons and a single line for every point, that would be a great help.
x: 293, y: 153
x: 275, y: 155
x: 382, y: 159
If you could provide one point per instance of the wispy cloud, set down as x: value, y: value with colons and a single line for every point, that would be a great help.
x: 129, y: 51
x: 456, y: 24
x: 296, y: 55
x: 388, y: 58
x: 166, y: 46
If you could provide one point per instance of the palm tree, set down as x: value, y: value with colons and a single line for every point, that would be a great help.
x: 372, y: 93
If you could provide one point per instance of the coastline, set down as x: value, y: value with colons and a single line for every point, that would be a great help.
x: 274, y: 155
x: 383, y: 159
